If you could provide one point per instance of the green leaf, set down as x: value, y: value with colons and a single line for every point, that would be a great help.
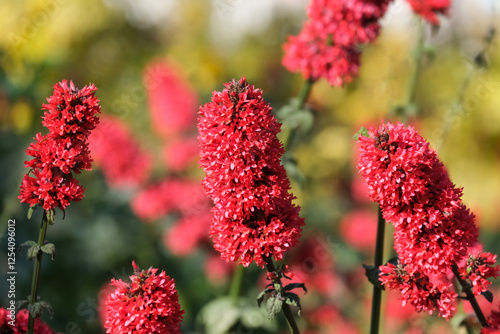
x: 274, y: 305
x: 292, y: 286
x: 260, y: 297
x: 292, y: 299
x: 21, y: 303
x: 49, y: 249
x: 362, y: 132
x: 254, y: 318
x: 219, y: 315
x: 30, y: 243
x: 51, y: 216
x: 36, y: 309
x: 33, y: 251
x: 31, y: 210
x: 488, y: 295
x: 373, y: 273
x: 294, y: 117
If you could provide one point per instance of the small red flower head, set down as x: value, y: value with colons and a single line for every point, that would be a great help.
x: 254, y: 217
x: 429, y: 9
x: 20, y: 323
x: 70, y: 116
x: 148, y: 304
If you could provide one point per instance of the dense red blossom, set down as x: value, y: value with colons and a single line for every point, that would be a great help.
x: 147, y: 304
x: 123, y: 162
x: 478, y: 269
x: 21, y: 323
x: 70, y: 116
x: 327, y: 46
x: 433, y: 229
x: 172, y: 102
x: 429, y: 9
x: 254, y: 217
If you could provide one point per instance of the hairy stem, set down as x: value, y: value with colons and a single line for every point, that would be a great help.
x: 470, y: 296
x: 286, y: 308
x: 35, y: 283
x: 377, y: 291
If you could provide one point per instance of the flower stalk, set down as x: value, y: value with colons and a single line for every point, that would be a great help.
x: 377, y: 290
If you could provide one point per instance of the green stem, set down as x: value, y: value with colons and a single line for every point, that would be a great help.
x: 234, y: 292
x: 470, y: 296
x: 286, y: 308
x: 35, y: 283
x: 417, y: 57
x: 301, y: 99
x: 377, y: 291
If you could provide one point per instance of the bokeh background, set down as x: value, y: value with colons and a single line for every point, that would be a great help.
x: 154, y: 63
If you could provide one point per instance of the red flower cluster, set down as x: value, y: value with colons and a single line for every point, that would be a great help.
x: 70, y: 116
x: 478, y: 269
x: 433, y: 229
x: 21, y: 323
x: 327, y: 47
x: 122, y: 160
x: 429, y: 9
x: 254, y: 217
x: 493, y: 323
x: 148, y: 304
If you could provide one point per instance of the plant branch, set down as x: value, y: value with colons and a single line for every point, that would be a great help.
x: 35, y: 283
x: 377, y: 291
x: 470, y: 296
x: 301, y: 99
x: 286, y: 308
x: 234, y: 292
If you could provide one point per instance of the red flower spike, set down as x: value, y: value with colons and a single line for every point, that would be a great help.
x: 429, y: 9
x: 70, y: 116
x: 148, y: 304
x: 21, y: 323
x: 253, y: 212
x: 327, y: 47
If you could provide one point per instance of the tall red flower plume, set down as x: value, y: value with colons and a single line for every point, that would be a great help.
x: 20, y: 324
x: 147, y: 304
x: 70, y: 116
x: 433, y: 228
x: 254, y: 217
x: 327, y: 47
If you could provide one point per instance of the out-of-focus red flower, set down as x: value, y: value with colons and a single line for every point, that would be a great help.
x: 254, y: 217
x: 359, y: 229
x: 327, y: 46
x: 217, y: 270
x: 70, y: 116
x: 147, y: 304
x: 429, y: 9
x: 172, y: 102
x: 185, y: 235
x: 180, y: 154
x: 493, y: 323
x: 21, y: 323
x: 123, y: 162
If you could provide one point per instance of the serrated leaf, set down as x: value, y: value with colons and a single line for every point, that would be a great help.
x: 292, y: 286
x: 30, y: 243
x: 49, y: 249
x: 292, y: 299
x: 372, y: 273
x: 21, y: 303
x: 37, y: 308
x: 361, y: 132
x: 488, y: 295
x: 274, y: 305
x: 33, y: 251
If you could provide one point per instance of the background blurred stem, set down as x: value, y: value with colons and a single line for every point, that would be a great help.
x: 234, y: 292
x: 470, y: 297
x: 302, y: 98
x: 35, y: 283
x: 417, y: 59
x: 377, y: 291
x: 286, y: 308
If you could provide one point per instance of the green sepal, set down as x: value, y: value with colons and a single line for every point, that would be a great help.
x: 488, y: 295
x: 361, y: 132
x: 31, y: 210
x: 292, y: 299
x: 274, y: 305
x: 49, y: 249
x: 36, y: 309
x: 373, y: 273
x: 33, y: 251
x: 30, y: 243
x: 292, y: 286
